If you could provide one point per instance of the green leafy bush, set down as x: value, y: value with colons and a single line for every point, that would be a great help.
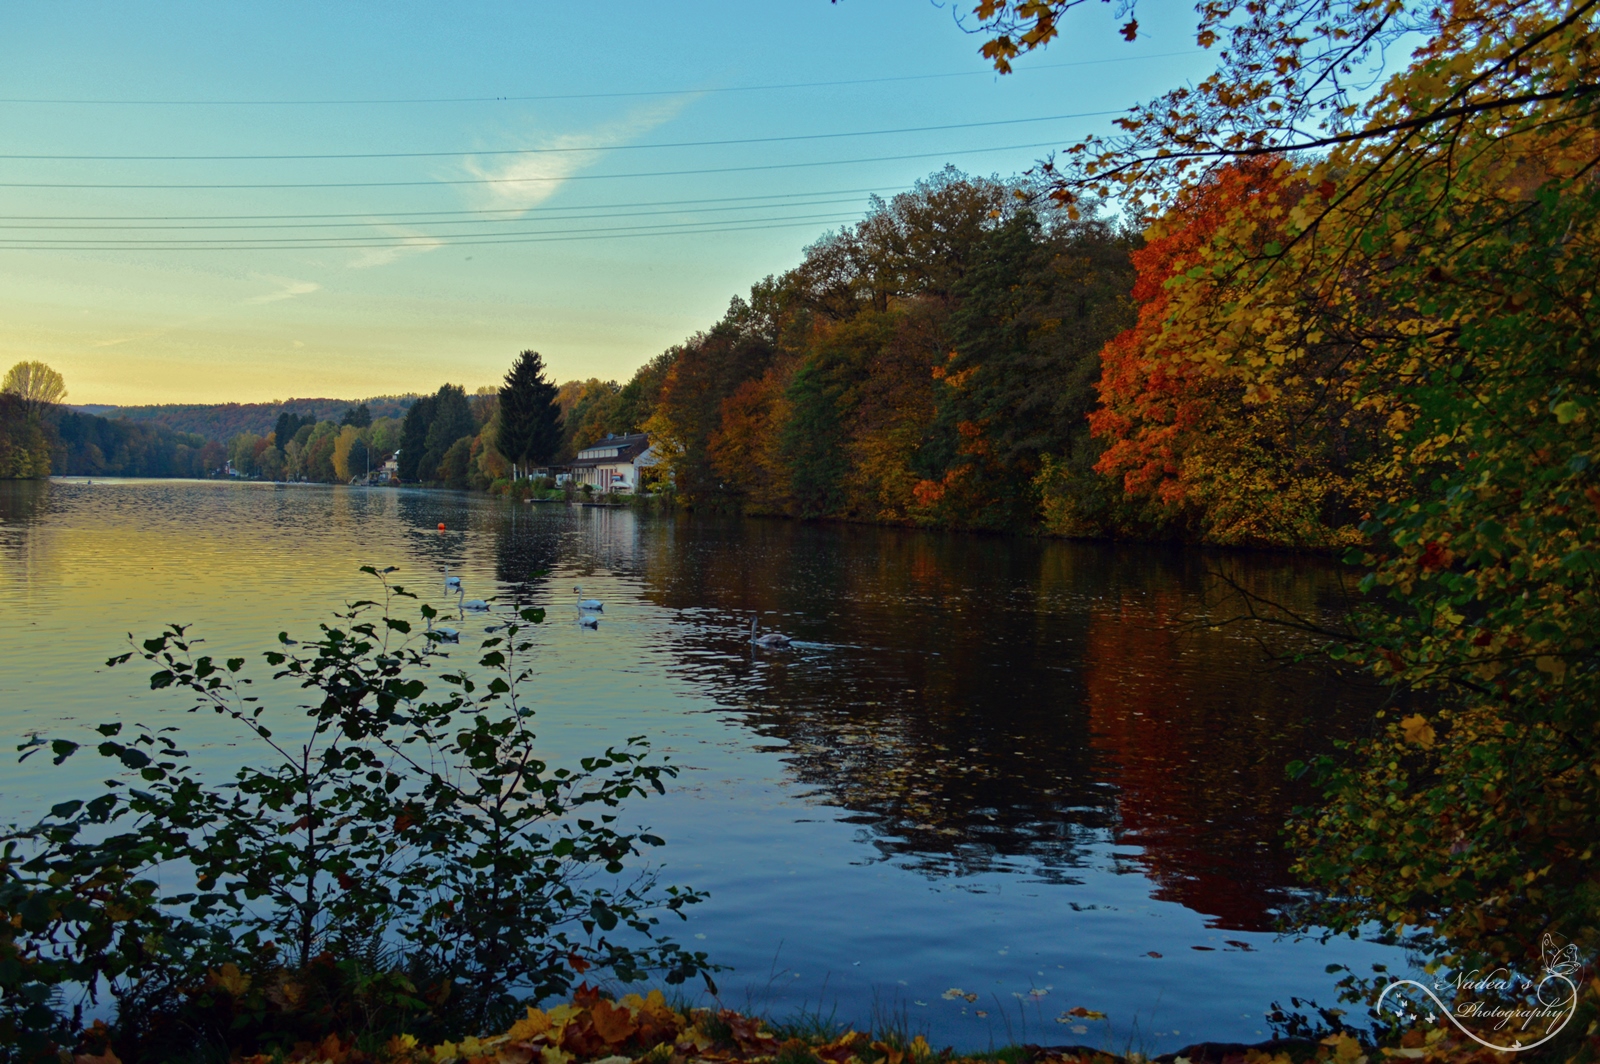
x: 404, y: 858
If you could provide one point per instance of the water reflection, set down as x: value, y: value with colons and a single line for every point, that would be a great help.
x: 998, y: 763
x: 982, y: 704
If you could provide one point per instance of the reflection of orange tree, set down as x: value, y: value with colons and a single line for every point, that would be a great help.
x: 952, y: 718
x: 1199, y: 754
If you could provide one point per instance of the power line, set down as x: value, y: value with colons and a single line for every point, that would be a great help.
x: 572, y: 96
x: 374, y: 221
x: 560, y: 150
x: 402, y: 239
x: 531, y: 180
x: 431, y: 214
x: 599, y: 234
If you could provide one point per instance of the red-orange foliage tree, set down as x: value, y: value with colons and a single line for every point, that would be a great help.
x: 1229, y: 460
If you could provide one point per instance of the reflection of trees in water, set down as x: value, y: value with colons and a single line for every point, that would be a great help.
x: 991, y: 702
x: 1196, y: 737
x: 23, y: 504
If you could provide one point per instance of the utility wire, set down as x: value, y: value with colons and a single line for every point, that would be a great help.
x: 423, y: 242
x: 570, y: 148
x: 529, y: 180
x: 571, y: 96
x: 403, y: 238
x: 375, y: 221
x: 432, y: 214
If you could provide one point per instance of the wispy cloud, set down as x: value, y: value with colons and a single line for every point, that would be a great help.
x: 410, y: 243
x: 148, y: 335
x: 526, y: 181
x: 288, y: 288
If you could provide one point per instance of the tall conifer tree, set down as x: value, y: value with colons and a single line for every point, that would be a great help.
x: 414, y: 437
x: 530, y: 420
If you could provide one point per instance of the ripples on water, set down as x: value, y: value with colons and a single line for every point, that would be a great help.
x: 997, y: 764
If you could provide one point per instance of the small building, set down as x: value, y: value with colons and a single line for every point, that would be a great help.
x: 615, y: 463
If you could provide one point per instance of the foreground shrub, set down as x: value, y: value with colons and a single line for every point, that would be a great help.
x: 404, y: 860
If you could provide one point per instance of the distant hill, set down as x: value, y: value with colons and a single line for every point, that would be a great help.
x: 223, y: 421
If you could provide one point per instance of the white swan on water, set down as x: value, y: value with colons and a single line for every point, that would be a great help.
x: 451, y: 583
x: 587, y: 604
x: 771, y: 640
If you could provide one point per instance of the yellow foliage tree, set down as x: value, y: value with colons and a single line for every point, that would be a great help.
x: 341, y: 453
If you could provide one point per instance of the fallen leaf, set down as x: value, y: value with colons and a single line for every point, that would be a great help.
x: 612, y: 1023
x: 533, y: 1025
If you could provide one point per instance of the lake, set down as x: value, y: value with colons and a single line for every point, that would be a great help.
x: 1009, y: 766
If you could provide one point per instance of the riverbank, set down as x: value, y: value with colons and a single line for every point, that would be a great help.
x: 638, y: 1029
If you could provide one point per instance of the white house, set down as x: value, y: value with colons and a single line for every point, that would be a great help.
x: 615, y: 463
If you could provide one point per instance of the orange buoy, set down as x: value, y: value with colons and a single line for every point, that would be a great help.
x: 441, y: 526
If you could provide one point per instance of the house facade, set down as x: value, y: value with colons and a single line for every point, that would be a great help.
x: 615, y: 463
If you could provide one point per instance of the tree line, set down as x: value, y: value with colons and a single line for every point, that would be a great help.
x: 448, y: 439
x: 933, y: 365
x: 39, y: 436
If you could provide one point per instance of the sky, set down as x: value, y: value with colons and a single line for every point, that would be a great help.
x: 594, y: 182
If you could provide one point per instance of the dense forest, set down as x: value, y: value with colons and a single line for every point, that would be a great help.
x: 223, y: 421
x: 37, y: 441
x: 933, y: 365
x: 86, y: 445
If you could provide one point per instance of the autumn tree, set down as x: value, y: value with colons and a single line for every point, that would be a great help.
x: 704, y: 372
x: 636, y: 402
x: 35, y: 384
x: 589, y: 412
x: 1225, y: 458
x: 1434, y: 274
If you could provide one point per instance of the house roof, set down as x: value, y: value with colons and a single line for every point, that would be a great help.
x: 613, y: 450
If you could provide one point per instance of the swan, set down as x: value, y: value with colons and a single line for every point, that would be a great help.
x: 448, y: 635
x: 475, y: 606
x: 588, y: 621
x: 451, y: 583
x: 588, y: 604
x: 772, y: 640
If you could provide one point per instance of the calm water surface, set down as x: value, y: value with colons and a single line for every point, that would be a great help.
x: 1008, y: 768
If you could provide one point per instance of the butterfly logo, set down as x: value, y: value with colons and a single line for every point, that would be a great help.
x: 1563, y: 961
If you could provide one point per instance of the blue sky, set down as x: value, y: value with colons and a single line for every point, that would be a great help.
x: 484, y: 254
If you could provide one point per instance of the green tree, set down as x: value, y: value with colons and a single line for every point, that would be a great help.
x: 455, y: 465
x: 359, y: 416
x: 452, y: 419
x: 383, y: 438
x: 288, y: 424
x: 414, y: 439
x: 811, y: 442
x: 530, y: 421
x: 24, y: 442
x: 360, y: 458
